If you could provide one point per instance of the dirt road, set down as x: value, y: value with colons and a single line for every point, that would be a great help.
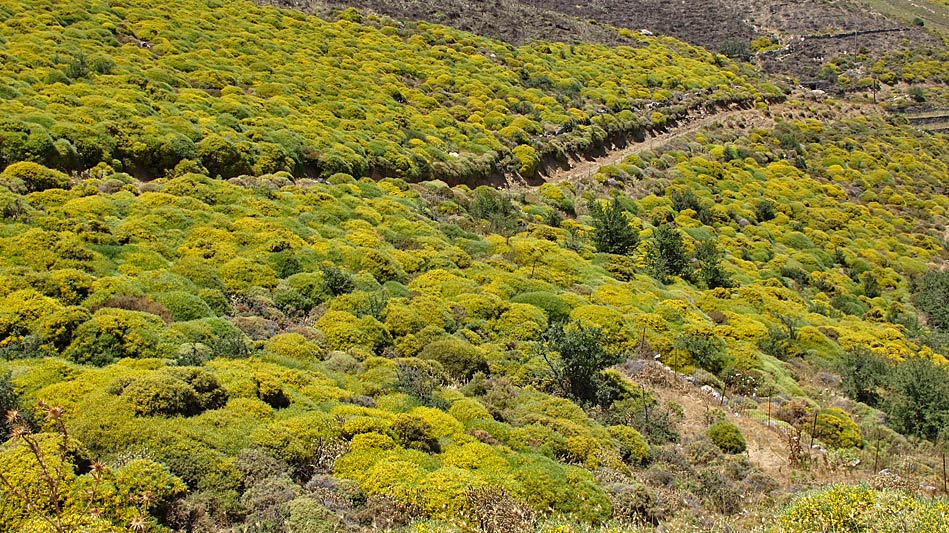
x: 584, y: 168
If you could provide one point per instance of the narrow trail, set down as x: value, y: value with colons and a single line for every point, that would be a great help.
x: 584, y: 168
x: 800, y: 105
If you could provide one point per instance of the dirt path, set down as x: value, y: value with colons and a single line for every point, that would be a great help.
x: 584, y: 168
x: 800, y: 105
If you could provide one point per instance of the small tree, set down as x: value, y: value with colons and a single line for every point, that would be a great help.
x: 496, y: 208
x: 8, y: 402
x: 931, y: 296
x: 582, y: 360
x: 336, y: 281
x: 871, y: 286
x: 666, y: 255
x: 919, y: 402
x: 764, y: 211
x: 710, y: 270
x: 612, y: 232
x: 706, y: 351
x: 863, y: 375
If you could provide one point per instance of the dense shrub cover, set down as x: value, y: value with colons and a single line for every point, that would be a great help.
x: 233, y: 88
x: 282, y: 351
x: 179, y: 272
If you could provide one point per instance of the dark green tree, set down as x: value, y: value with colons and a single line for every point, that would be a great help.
x: 582, y: 361
x: 931, y: 296
x: 8, y: 403
x: 736, y: 48
x: 612, y: 233
x: 336, y: 281
x: 764, y: 211
x: 918, y: 403
x: 864, y: 375
x: 871, y: 287
x: 666, y: 255
x: 710, y: 271
x: 706, y: 351
x: 495, y: 207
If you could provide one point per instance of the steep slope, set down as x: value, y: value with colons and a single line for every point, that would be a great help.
x: 134, y: 86
x: 273, y: 326
x: 512, y: 21
x: 803, y: 35
x: 367, y: 351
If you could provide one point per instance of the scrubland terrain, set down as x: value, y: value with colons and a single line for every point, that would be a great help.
x: 265, y: 271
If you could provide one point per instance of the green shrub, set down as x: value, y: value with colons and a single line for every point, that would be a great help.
x: 931, y: 296
x: 835, y: 428
x: 36, y: 177
x: 707, y: 351
x: 527, y: 159
x: 468, y: 409
x: 306, y: 515
x: 460, y: 359
x: 172, y: 391
x: 727, y: 437
x: 184, y: 306
x: 415, y: 433
x: 300, y: 440
x: 632, y: 445
x: 918, y: 400
x: 545, y: 485
x: 335, y: 281
x: 635, y: 504
x: 294, y: 346
x: 343, y: 330
x: 556, y: 308
x: 112, y: 334
x: 160, y: 394
x: 864, y: 375
x: 521, y: 322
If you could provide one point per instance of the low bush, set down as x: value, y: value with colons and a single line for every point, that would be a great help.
x: 727, y: 437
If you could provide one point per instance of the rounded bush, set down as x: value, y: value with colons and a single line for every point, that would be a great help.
x: 521, y: 322
x: 372, y: 440
x: 184, y: 306
x: 460, y: 359
x: 116, y: 333
x: 467, y: 409
x: 837, y: 430
x: 306, y: 515
x: 557, y: 310
x: 727, y: 437
x: 160, y: 394
x: 632, y: 446
x: 294, y: 346
x: 36, y: 177
x: 415, y: 433
x: 364, y: 424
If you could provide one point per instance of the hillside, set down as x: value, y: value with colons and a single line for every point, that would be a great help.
x: 789, y: 38
x: 648, y: 292
x: 380, y: 332
x: 144, y: 90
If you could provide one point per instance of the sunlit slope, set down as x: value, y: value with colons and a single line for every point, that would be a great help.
x: 240, y: 89
x: 399, y: 343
